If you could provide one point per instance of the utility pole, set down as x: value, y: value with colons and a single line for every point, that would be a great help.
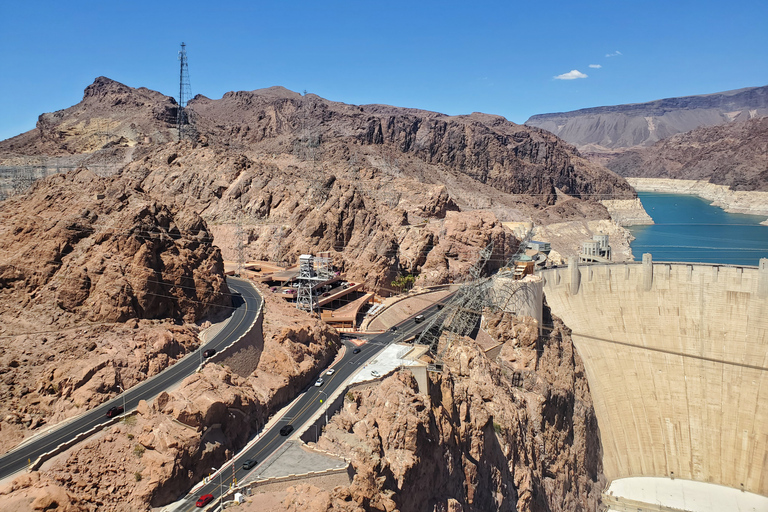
x: 240, y: 244
x: 122, y: 392
x: 326, y: 406
x: 182, y: 120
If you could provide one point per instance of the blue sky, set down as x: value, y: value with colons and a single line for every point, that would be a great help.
x: 451, y: 57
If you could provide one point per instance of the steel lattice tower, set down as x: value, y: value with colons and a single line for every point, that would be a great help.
x: 462, y: 313
x: 182, y: 121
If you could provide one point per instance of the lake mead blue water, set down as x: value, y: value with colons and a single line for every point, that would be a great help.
x: 689, y: 229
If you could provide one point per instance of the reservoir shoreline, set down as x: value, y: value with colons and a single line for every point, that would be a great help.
x: 731, y: 201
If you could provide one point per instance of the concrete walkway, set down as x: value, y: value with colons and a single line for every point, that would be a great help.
x: 293, y: 457
x: 664, y: 494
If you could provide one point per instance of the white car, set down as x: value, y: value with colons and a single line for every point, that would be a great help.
x: 319, y: 382
x: 374, y: 373
x: 330, y: 372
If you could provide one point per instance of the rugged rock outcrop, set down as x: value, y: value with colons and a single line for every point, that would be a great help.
x: 85, y: 264
x: 514, y: 434
x: 307, y: 174
x: 82, y: 248
x: 733, y: 154
x: 151, y: 458
x: 600, y: 129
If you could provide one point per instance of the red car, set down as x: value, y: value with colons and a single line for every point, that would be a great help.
x: 114, y: 411
x: 204, y: 500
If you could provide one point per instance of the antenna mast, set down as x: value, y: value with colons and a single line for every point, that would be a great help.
x: 182, y: 120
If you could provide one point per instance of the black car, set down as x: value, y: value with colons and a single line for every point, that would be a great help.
x: 249, y: 463
x: 393, y: 328
x: 209, y: 352
x: 286, y: 430
x: 356, y: 351
x: 114, y: 411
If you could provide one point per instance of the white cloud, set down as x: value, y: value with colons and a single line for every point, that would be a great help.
x: 571, y: 75
x: 614, y: 54
x: 595, y: 66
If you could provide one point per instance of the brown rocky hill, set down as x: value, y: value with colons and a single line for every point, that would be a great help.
x: 110, y: 114
x: 79, y: 248
x: 93, y: 276
x: 151, y: 458
x: 516, y: 433
x: 602, y: 129
x: 372, y: 183
x: 734, y: 155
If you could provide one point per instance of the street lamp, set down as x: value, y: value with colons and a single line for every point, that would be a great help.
x: 221, y: 484
x: 326, y: 405
x: 317, y: 436
x: 122, y: 392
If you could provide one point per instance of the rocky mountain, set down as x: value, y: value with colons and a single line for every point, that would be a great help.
x: 733, y: 154
x: 371, y: 183
x: 602, y: 129
x: 100, y: 264
x: 82, y: 248
x: 111, y: 114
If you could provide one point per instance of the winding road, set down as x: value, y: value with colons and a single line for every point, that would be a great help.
x: 246, y: 302
x: 304, y: 408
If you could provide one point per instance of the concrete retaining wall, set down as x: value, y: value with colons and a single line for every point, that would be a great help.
x: 677, y: 361
x: 243, y: 355
x: 34, y: 466
x: 326, y: 480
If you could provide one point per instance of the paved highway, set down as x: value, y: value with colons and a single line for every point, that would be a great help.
x: 305, y: 407
x: 246, y: 302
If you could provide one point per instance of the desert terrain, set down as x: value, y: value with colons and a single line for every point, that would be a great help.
x: 110, y: 270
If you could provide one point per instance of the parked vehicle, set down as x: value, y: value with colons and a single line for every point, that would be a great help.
x: 115, y: 411
x: 204, y: 500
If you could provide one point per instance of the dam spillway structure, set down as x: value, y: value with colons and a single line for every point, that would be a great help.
x: 676, y: 355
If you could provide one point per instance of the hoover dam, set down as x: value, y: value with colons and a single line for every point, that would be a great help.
x: 676, y: 356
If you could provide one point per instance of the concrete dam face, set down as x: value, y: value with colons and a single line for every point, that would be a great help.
x: 676, y: 357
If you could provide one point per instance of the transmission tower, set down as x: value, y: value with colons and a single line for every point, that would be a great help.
x: 182, y: 120
x: 460, y: 315
x: 306, y: 296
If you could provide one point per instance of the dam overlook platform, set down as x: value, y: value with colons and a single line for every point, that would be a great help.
x: 676, y: 356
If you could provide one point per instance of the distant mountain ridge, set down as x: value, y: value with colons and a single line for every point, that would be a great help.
x: 733, y: 154
x: 609, y: 128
